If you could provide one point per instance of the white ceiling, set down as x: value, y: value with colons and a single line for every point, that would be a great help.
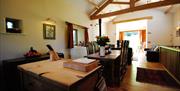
x: 115, y: 7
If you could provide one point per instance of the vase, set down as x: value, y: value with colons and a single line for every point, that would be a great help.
x: 102, y: 51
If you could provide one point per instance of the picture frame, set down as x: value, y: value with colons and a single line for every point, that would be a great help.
x: 49, y: 31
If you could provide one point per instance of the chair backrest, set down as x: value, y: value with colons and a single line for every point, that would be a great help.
x: 124, y: 52
x: 95, y: 46
x: 90, y: 48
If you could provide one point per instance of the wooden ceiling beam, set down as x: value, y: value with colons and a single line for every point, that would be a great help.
x: 102, y: 7
x: 137, y: 8
x: 119, y: 2
x: 169, y: 9
x: 134, y: 19
x: 132, y: 3
x: 136, y: 1
x: 97, y: 7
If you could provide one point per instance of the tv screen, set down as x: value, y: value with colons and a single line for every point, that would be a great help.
x: 13, y: 25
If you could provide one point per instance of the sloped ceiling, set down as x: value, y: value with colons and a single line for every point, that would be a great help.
x: 117, y: 5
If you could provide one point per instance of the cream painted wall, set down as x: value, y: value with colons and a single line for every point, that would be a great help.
x: 159, y: 28
x: 111, y: 32
x: 176, y: 40
x: 33, y: 13
x: 104, y: 28
x: 94, y: 30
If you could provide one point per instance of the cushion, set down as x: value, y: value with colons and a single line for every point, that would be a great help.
x: 156, y: 48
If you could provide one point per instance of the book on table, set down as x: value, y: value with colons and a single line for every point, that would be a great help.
x: 82, y: 64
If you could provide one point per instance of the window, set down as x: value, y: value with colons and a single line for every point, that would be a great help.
x: 75, y: 37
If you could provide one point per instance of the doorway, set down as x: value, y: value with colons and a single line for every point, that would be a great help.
x: 137, y: 41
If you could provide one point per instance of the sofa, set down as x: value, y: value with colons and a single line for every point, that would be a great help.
x: 152, y: 54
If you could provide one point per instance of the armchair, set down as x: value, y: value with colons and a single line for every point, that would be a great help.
x: 152, y: 55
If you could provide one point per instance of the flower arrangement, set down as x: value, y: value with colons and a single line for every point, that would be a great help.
x: 102, y: 40
x: 32, y: 53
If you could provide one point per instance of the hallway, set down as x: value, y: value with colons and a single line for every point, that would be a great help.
x: 129, y: 82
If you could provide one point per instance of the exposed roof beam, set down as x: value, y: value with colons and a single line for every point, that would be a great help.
x: 137, y: 0
x: 132, y: 3
x: 101, y: 7
x: 119, y: 2
x: 97, y: 7
x: 169, y: 9
x: 136, y: 8
x: 134, y: 19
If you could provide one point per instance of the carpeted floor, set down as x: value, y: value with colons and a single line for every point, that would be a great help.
x: 160, y: 77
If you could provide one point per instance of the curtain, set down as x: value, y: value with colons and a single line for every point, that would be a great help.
x: 70, y: 35
x: 121, y: 36
x: 86, y: 36
x: 143, y: 35
x: 143, y: 38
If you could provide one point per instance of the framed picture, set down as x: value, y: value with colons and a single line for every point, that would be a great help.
x: 49, y: 31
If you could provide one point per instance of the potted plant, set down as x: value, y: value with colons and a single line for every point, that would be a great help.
x: 102, y: 41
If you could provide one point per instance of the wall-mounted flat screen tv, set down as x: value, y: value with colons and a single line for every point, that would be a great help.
x: 13, y: 25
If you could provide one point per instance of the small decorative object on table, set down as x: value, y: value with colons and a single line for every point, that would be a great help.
x: 32, y: 53
x: 102, y: 41
x: 53, y: 55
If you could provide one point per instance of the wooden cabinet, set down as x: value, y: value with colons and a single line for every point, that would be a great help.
x: 170, y: 58
x: 31, y: 83
x: 11, y: 78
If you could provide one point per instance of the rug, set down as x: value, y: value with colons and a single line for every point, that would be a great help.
x: 159, y: 77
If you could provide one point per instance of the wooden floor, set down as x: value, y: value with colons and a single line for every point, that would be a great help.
x: 129, y: 82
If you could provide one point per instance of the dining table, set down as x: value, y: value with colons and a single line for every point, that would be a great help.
x: 110, y: 66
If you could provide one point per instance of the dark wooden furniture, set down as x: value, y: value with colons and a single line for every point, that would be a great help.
x: 130, y: 53
x: 52, y: 76
x: 109, y: 63
x: 11, y: 77
x: 114, y: 64
x: 170, y: 58
x: 152, y: 55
